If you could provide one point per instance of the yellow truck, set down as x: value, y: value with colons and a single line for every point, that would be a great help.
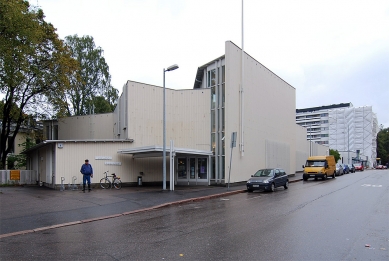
x: 319, y: 167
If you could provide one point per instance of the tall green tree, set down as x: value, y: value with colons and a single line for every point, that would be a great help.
x: 35, y: 66
x: 336, y: 154
x: 383, y: 145
x: 92, y: 82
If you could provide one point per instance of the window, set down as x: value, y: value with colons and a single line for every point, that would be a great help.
x: 213, y: 98
x: 211, y: 78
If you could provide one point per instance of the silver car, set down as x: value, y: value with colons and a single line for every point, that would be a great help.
x: 339, y: 170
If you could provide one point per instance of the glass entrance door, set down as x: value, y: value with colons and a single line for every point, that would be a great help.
x: 202, y: 168
x: 181, y: 169
x: 192, y: 170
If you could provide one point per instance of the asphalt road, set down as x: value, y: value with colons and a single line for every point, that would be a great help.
x: 341, y: 219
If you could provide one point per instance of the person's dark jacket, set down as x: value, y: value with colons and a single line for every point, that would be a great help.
x: 86, y: 169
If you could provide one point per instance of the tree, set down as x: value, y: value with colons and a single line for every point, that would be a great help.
x: 92, y: 82
x: 35, y: 66
x: 383, y: 145
x: 336, y: 154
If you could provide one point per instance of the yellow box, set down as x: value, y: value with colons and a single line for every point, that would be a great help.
x: 15, y: 174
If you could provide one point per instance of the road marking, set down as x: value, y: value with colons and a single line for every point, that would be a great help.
x: 253, y: 197
x: 369, y: 185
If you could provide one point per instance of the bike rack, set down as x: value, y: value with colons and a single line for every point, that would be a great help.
x: 74, y: 185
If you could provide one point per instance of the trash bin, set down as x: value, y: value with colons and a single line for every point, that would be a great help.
x: 139, y: 181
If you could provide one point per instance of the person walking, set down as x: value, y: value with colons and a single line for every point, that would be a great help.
x: 87, y: 172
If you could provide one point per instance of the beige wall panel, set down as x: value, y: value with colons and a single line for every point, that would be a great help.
x: 187, y: 116
x: 303, y: 148
x: 128, y: 170
x: 19, y: 139
x: 269, y: 113
x: 95, y: 126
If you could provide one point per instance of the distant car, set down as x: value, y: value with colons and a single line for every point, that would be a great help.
x: 358, y: 166
x: 339, y: 170
x: 268, y: 179
x: 351, y: 167
x: 379, y: 167
x: 346, y: 169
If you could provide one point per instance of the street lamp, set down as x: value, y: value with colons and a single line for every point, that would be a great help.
x: 170, y: 68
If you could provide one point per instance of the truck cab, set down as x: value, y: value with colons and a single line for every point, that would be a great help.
x: 319, y: 167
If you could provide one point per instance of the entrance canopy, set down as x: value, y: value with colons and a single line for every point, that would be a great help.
x: 157, y: 151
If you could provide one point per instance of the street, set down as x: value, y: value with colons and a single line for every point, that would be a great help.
x: 338, y: 219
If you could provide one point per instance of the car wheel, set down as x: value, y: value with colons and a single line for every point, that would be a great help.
x: 333, y: 175
x: 249, y: 190
x: 324, y: 177
x: 272, y: 187
x: 286, y: 186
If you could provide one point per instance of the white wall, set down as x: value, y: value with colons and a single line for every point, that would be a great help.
x: 269, y: 116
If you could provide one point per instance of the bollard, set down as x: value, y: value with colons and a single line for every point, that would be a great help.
x: 62, y: 188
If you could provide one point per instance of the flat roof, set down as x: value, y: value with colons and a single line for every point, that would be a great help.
x: 157, y: 151
x: 326, y: 107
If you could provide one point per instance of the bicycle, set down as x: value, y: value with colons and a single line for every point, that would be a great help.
x: 106, y: 183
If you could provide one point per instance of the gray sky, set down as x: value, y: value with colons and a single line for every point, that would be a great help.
x: 330, y: 51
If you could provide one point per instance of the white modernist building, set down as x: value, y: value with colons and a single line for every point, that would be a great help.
x: 252, y: 102
x: 349, y: 130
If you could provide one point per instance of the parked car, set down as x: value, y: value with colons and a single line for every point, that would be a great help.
x: 351, y: 167
x: 358, y: 166
x: 346, y: 169
x: 339, y: 170
x: 380, y: 167
x: 268, y: 179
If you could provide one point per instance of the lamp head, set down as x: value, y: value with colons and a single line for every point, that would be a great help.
x: 171, y: 68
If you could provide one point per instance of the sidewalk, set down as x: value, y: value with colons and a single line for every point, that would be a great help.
x: 31, y: 208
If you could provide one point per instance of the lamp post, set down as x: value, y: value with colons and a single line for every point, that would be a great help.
x: 348, y: 144
x: 170, y: 68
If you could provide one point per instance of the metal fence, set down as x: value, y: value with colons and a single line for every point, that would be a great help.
x: 26, y: 177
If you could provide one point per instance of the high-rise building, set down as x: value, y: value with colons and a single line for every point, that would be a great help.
x: 349, y: 130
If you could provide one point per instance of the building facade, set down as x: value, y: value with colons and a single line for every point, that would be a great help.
x: 232, y: 95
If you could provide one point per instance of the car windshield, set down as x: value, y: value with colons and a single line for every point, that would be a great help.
x: 357, y: 164
x: 264, y: 173
x: 315, y: 163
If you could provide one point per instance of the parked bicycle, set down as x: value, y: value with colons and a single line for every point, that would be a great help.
x: 106, y: 183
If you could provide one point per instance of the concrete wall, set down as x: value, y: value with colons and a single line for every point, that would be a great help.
x: 269, y: 117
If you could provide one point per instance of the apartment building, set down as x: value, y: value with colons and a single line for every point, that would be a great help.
x: 350, y: 130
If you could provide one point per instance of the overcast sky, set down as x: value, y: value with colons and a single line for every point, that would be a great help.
x: 330, y: 51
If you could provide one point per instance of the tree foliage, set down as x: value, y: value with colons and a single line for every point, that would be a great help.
x: 35, y: 66
x: 336, y: 154
x: 91, y: 84
x: 383, y: 145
